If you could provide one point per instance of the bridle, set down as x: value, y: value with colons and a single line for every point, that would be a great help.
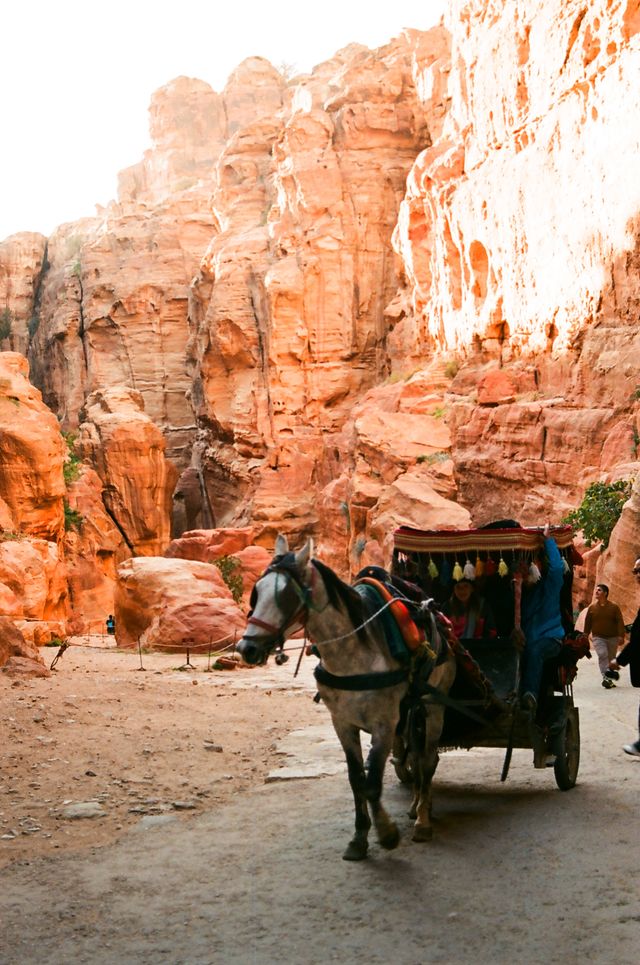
x: 286, y: 566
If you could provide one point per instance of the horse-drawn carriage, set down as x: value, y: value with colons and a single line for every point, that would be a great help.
x: 483, y: 709
x: 411, y: 684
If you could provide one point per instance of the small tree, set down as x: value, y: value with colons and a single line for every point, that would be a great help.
x: 229, y: 568
x: 600, y: 510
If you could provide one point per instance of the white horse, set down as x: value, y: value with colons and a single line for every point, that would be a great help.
x: 358, y: 679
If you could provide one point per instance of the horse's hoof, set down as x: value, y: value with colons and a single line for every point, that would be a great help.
x: 391, y: 838
x: 412, y: 814
x: 355, y: 851
x: 422, y: 834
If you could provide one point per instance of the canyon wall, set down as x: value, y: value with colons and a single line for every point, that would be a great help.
x: 519, y: 234
x: 402, y: 289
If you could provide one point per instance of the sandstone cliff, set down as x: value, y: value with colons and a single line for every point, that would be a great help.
x: 401, y: 289
x: 519, y: 233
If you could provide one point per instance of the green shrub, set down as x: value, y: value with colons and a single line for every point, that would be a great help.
x: 452, y: 368
x: 229, y: 567
x: 55, y: 642
x: 9, y: 535
x: 434, y: 457
x: 72, y: 518
x: 72, y: 463
x: 600, y: 510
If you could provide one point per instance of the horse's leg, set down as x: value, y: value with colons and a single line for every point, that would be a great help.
x: 381, y: 744
x: 425, y: 770
x: 349, y: 737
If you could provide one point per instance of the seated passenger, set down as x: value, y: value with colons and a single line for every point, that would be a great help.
x: 469, y: 612
x: 541, y: 622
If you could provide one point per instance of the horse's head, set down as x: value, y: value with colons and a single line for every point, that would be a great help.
x: 279, y: 603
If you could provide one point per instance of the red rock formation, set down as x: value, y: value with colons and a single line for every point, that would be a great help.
x: 616, y: 562
x: 114, y: 300
x: 174, y: 605
x: 127, y: 450
x: 17, y: 656
x: 22, y: 258
x: 207, y: 546
x: 93, y: 550
x: 289, y: 307
x: 32, y: 453
x: 488, y: 367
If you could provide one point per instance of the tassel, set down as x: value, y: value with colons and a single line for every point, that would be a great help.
x: 503, y: 569
x: 457, y: 572
x: 490, y: 566
x: 432, y: 569
x: 534, y: 573
x: 469, y: 571
x: 479, y: 566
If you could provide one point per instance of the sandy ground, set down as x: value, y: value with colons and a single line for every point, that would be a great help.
x: 138, y: 742
x: 233, y: 855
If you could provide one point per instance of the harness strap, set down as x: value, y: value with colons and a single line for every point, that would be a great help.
x: 441, y: 698
x: 361, y: 681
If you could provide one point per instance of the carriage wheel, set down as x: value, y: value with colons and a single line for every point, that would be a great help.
x: 401, y: 761
x: 568, y: 752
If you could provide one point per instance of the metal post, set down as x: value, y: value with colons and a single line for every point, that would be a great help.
x: 140, y: 654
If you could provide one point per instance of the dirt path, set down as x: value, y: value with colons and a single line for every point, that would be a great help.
x: 516, y: 873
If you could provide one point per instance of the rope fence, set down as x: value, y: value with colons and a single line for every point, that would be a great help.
x: 212, y: 647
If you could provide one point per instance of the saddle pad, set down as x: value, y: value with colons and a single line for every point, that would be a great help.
x: 397, y: 647
x: 412, y: 635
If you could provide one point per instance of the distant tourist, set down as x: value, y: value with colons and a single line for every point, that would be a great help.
x: 605, y: 624
x: 630, y: 657
x: 111, y: 624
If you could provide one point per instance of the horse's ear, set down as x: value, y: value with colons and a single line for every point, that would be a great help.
x: 282, y: 546
x: 304, y: 555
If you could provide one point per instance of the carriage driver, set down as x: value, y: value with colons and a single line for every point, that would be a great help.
x: 541, y: 622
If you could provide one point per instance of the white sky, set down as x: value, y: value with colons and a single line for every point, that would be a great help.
x: 76, y: 78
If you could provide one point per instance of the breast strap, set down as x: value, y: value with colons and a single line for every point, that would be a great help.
x: 361, y: 681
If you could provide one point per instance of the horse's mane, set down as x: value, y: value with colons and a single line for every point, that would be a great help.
x: 341, y: 594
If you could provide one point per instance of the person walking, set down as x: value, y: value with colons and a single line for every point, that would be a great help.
x: 605, y: 624
x: 630, y: 656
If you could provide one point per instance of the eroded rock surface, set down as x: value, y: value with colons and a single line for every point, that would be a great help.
x: 174, y: 605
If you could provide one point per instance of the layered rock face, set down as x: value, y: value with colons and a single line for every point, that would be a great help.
x: 288, y: 312
x: 22, y: 261
x: 33, y: 588
x: 365, y: 350
x: 127, y: 450
x: 519, y: 237
x: 32, y: 454
x: 113, y: 303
